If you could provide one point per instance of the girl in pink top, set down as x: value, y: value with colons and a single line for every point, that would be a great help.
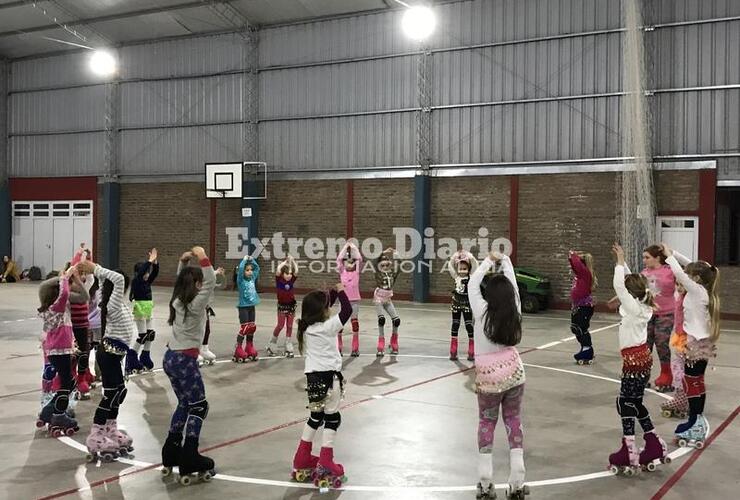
x: 582, y: 303
x: 663, y: 286
x: 349, y: 262
x: 58, y: 345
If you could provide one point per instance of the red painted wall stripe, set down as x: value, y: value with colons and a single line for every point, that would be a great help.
x: 707, y: 210
x: 59, y: 189
x: 513, y: 215
x: 350, y: 208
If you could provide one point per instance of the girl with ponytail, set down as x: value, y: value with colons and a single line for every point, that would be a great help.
x: 317, y: 333
x: 701, y: 308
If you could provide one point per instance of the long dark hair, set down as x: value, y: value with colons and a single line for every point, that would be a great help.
x: 503, y: 323
x: 106, y: 292
x: 314, y: 308
x: 656, y: 251
x: 186, y: 290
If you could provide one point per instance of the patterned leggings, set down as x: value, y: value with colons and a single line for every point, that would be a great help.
x: 192, y: 407
x: 659, y: 330
x: 630, y: 406
x: 488, y: 410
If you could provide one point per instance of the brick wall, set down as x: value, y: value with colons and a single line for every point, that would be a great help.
x: 459, y: 207
x: 170, y: 216
x: 676, y: 190
x: 730, y: 290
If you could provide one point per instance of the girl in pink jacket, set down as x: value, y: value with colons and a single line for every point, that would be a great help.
x: 349, y: 263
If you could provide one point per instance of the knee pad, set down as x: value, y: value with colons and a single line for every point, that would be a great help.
x: 316, y: 419
x: 642, y: 412
x: 576, y: 330
x: 199, y: 409
x: 142, y: 337
x: 242, y: 328
x: 455, y: 324
x: 381, y: 320
x: 250, y: 328
x: 693, y: 385
x: 332, y: 421
x: 469, y: 327
x: 49, y: 372
x: 396, y: 322
x: 110, y: 394
x: 120, y: 395
x: 150, y: 334
x: 627, y: 407
x: 62, y: 401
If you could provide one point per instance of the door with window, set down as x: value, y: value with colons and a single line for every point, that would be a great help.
x: 680, y: 233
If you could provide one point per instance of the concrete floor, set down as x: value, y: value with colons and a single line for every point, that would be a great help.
x: 409, y: 430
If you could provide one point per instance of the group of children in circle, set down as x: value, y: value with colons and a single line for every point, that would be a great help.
x: 84, y: 308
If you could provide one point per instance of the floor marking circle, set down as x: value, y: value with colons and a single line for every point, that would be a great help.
x: 680, y: 452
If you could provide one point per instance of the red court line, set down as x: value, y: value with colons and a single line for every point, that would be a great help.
x: 694, y: 457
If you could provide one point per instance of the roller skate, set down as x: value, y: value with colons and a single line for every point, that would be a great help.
x: 62, y: 425
x: 381, y: 347
x: 655, y: 450
x: 289, y: 348
x: 453, y: 349
x: 133, y: 365
x: 304, y: 464
x: 100, y: 446
x: 517, y: 493
x: 340, y: 343
x: 171, y: 453
x: 45, y: 415
x: 394, y: 344
x: 146, y: 362
x: 665, y: 379
x: 692, y: 433
x: 355, y: 345
x: 678, y: 407
x: 252, y: 354
x: 626, y: 460
x: 485, y: 492
x: 240, y: 355
x: 585, y: 356
x: 328, y: 474
x: 271, y: 349
x: 471, y: 350
x: 83, y: 387
x: 90, y: 379
x: 208, y: 357
x: 193, y: 465
x: 121, y: 438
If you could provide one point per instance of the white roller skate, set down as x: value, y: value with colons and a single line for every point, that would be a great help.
x: 272, y: 349
x: 100, y: 446
x: 207, y: 357
x: 289, y: 349
x: 695, y: 435
x: 485, y: 492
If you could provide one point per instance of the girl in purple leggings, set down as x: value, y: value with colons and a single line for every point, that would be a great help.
x: 499, y: 371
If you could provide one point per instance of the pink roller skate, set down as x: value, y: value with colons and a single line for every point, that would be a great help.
x: 304, y: 464
x: 381, y: 347
x: 626, y: 460
x: 328, y: 474
x: 453, y: 349
x: 355, y: 345
x: 252, y: 354
x: 677, y: 407
x: 121, y: 438
x: 240, y: 355
x: 394, y: 343
x: 100, y: 446
x: 83, y: 386
x: 655, y: 450
x: 471, y: 350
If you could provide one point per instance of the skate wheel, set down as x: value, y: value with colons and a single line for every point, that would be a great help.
x: 56, y: 433
x: 40, y: 424
x: 614, y: 469
x: 185, y: 480
x: 699, y: 445
x: 89, y: 458
x: 70, y: 432
x: 667, y: 413
x: 651, y: 467
x: 108, y: 457
x: 682, y: 443
x: 667, y: 460
x: 337, y: 483
x: 323, y: 483
x: 629, y: 472
x: 166, y: 471
x: 206, y: 477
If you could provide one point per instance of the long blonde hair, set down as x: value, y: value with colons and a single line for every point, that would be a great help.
x: 588, y: 259
x: 709, y: 278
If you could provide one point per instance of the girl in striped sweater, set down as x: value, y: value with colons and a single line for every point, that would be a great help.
x: 117, y: 332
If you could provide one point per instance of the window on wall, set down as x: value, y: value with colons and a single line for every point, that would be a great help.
x: 727, y: 228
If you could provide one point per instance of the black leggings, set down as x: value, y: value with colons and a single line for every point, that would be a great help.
x: 694, y: 385
x: 580, y: 322
x: 83, y: 344
x: 63, y: 366
x: 114, y: 389
x: 468, y: 316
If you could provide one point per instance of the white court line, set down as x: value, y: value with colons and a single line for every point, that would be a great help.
x: 389, y: 489
x: 545, y: 346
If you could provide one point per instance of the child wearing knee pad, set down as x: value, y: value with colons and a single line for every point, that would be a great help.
x: 285, y: 278
x: 317, y: 331
x: 678, y: 406
x: 386, y: 273
x: 117, y: 332
x: 582, y: 303
x: 636, y: 308
x: 701, y: 322
x: 460, y: 266
x: 349, y: 264
x: 246, y: 280
x: 141, y: 296
x: 188, y: 310
x: 499, y: 370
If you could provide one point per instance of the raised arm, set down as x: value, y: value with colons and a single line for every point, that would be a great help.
x: 627, y: 301
x: 240, y: 272
x: 154, y: 272
x: 209, y: 283
x: 579, y: 268
x: 508, y: 269
x: 255, y: 269
x: 280, y: 267
x: 451, y: 265
x: 115, y: 302
x: 60, y: 304
x: 477, y: 302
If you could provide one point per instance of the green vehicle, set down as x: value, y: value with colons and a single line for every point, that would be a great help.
x: 534, y: 289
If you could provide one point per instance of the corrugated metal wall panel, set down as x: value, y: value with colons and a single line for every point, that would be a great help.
x: 349, y: 142
x: 363, y: 86
x: 183, y: 150
x: 667, y: 11
x: 57, y: 155
x: 587, y: 128
x: 199, y: 100
x: 59, y: 110
x: 70, y: 69
x: 210, y: 54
